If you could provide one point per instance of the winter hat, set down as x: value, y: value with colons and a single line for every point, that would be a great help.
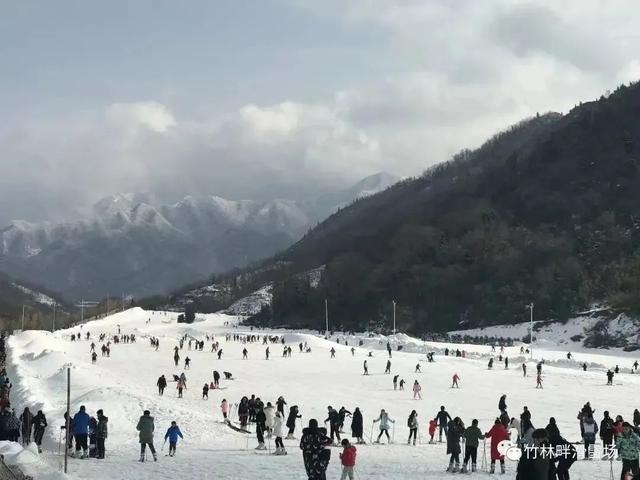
x: 146, y: 412
x: 313, y: 423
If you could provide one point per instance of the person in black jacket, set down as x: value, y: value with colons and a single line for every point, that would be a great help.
x: 314, y: 454
x: 502, y: 403
x: 442, y: 417
x: 342, y: 414
x: 455, y: 429
x: 334, y: 423
x: 291, y: 421
x: 606, y: 433
x: 39, y: 424
x: 162, y: 384
x: 280, y: 403
x: 101, y: 434
x: 243, y: 411
x: 357, y: 425
x: 261, y: 420
x: 26, y: 423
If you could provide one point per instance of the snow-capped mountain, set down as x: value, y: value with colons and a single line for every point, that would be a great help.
x: 136, y: 244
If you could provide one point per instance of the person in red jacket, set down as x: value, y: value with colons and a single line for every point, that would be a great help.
x: 432, y: 429
x: 497, y: 434
x: 348, y: 458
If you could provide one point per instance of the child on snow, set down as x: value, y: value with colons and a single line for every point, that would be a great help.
x: 432, y: 429
x: 173, y: 432
x: 224, y: 406
x: 278, y: 432
x: 348, y: 459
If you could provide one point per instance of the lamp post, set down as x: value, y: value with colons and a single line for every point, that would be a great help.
x: 530, y: 307
x: 326, y: 316
x: 394, y: 317
x: 23, y: 317
x: 53, y: 325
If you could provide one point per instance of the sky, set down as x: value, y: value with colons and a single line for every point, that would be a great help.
x: 279, y: 98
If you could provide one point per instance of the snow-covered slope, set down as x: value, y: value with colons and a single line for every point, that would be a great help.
x: 135, y: 243
x: 124, y: 385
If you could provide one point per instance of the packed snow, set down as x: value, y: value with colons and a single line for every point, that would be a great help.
x: 125, y: 384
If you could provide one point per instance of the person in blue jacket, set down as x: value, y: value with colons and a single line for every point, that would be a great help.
x: 172, y: 434
x: 81, y: 431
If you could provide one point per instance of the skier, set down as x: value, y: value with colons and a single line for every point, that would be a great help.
x: 39, y: 425
x: 291, y: 421
x: 432, y: 429
x: 245, y: 352
x: 388, y: 368
x: 366, y: 368
x: 270, y: 414
x: 490, y: 365
x: 454, y: 433
x: 539, y: 368
x: 81, y: 431
x: 416, y: 390
x: 342, y: 414
x: 412, y: 423
x: 187, y: 363
x: 472, y: 436
x: 176, y: 358
x: 278, y: 432
x: 101, y: 434
x: 456, y: 378
x: 402, y: 382
x: 219, y: 354
x: 357, y: 426
x: 260, y: 419
x: 395, y: 382
x: 334, y: 423
x: 609, y: 377
x: 333, y: 352
x: 635, y: 365
x: 315, y: 456
x: 280, y: 403
x: 266, y: 354
x: 205, y: 391
x: 539, y: 380
x: 162, y: 384
x: 506, y: 363
x: 26, y: 424
x: 384, y: 425
x: 584, y: 366
x: 173, y: 432
x: 216, y: 379
x: 524, y: 369
x: 442, y: 417
x: 497, y: 434
x: 389, y: 349
x: 418, y: 368
x: 617, y: 370
x: 348, y: 460
x: 353, y: 351
x: 94, y: 357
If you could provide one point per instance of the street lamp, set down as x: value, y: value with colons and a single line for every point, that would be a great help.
x: 326, y: 316
x: 394, y: 317
x: 530, y: 307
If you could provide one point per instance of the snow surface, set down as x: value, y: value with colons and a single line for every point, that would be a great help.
x: 37, y: 296
x: 124, y: 385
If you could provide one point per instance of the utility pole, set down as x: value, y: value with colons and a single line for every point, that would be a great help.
x: 394, y: 317
x: 530, y: 307
x: 23, y: 317
x: 326, y: 316
x: 82, y: 311
x: 123, y: 301
x: 53, y: 327
x: 107, y: 305
x: 68, y: 422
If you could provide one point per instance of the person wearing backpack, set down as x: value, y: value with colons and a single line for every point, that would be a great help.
x: 589, y: 430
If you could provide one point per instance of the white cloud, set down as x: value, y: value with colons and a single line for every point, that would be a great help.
x: 133, y: 116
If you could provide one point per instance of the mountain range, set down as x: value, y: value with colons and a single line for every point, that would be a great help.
x: 134, y: 244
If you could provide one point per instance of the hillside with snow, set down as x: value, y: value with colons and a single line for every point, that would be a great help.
x: 124, y: 384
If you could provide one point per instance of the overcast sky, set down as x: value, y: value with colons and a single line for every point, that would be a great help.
x: 266, y: 98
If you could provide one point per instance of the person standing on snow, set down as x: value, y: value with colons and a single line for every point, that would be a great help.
x: 26, y: 421
x: 416, y: 390
x: 455, y: 429
x: 333, y: 352
x: 606, y: 434
x: 357, y: 426
x: 81, y: 431
x: 502, y: 403
x: 280, y: 403
x: 173, y: 432
x: 101, y: 434
x: 348, y: 460
x: 39, y: 425
x: 162, y: 384
x: 456, y: 379
x: 412, y: 423
x: 395, y: 382
x: 472, y: 436
x: 270, y: 414
x: 366, y: 368
x: 442, y: 417
x: 524, y: 369
x: 205, y: 391
x: 334, y: 423
x: 224, y: 406
x: 388, y: 368
x: 384, y: 425
x: 497, y: 434
x: 260, y: 419
x: 343, y: 413
x: 278, y: 432
x: 314, y: 454
x: 291, y: 421
x: 146, y: 427
x: 628, y: 445
x: 589, y: 430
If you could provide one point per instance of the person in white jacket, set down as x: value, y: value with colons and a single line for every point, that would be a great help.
x: 278, y: 431
x: 270, y: 413
x: 384, y: 425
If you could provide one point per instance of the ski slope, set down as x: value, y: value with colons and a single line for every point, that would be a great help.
x: 125, y: 384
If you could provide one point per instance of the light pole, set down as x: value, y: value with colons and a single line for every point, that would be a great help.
x: 53, y: 327
x: 326, y: 316
x: 23, y: 317
x: 530, y: 307
x: 394, y: 317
